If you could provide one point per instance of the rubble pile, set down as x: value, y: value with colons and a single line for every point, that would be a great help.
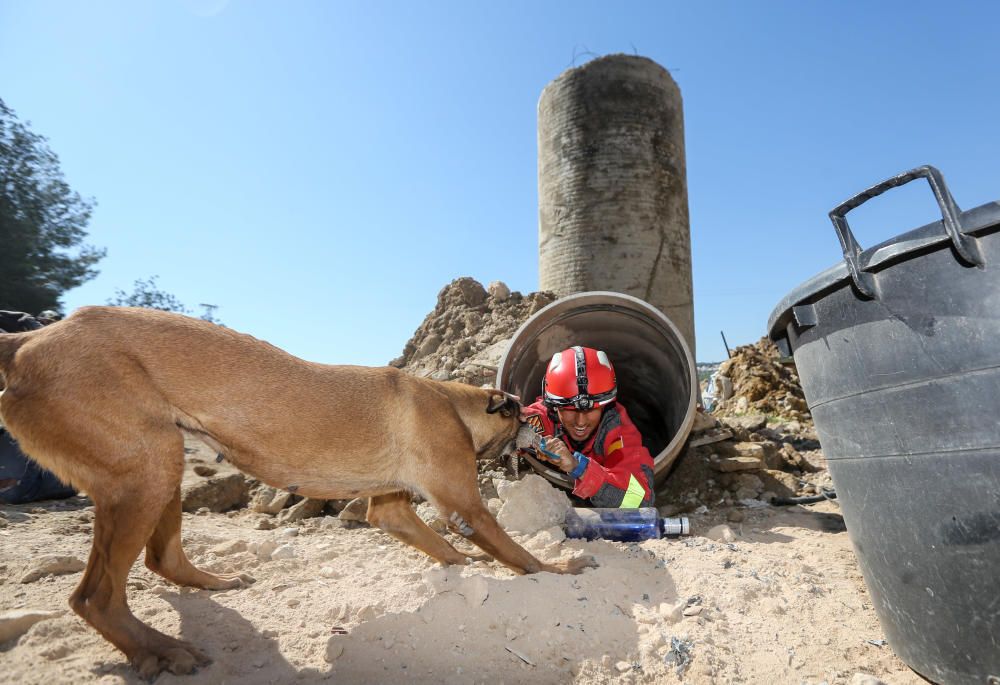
x: 465, y: 336
x: 755, y: 381
x: 744, y: 461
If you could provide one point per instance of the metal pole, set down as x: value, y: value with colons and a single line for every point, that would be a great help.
x: 728, y: 353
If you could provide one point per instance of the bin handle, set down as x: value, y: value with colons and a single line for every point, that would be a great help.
x: 964, y: 245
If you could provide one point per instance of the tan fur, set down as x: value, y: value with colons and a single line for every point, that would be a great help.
x: 102, y: 397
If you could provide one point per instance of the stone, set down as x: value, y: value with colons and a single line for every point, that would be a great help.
x: 305, y: 509
x: 283, y: 552
x: 778, y: 482
x: 268, y: 500
x: 263, y: 550
x: 52, y: 565
x: 14, y: 624
x: 216, y: 493
x: 532, y: 504
x: 731, y: 464
x: 703, y: 422
x: 719, y: 533
x: 225, y: 549
x: 356, y: 510
x: 750, y: 422
x: 430, y: 345
x: 749, y: 449
x: 499, y: 291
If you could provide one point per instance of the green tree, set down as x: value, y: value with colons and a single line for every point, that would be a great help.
x: 145, y: 293
x: 42, y: 223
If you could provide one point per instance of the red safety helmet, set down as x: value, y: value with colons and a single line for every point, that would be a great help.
x: 579, y: 377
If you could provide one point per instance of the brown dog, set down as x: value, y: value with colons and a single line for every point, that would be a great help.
x: 101, y: 400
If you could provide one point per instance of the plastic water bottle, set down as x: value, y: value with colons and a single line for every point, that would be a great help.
x: 623, y: 525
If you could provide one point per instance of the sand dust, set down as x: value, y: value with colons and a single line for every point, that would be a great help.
x: 774, y: 598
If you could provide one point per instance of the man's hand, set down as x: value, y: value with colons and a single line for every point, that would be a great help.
x: 566, y: 462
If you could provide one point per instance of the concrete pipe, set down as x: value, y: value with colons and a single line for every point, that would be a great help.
x: 657, y: 378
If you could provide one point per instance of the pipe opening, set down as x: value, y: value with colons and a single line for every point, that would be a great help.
x: 657, y: 379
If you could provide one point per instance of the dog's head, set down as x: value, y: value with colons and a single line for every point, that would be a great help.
x: 504, y: 403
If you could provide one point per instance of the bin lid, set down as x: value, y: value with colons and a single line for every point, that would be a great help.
x: 884, y: 255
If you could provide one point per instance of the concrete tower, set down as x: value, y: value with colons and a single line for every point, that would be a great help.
x: 612, y: 186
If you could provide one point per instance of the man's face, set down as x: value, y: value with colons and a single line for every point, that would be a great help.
x: 579, y: 425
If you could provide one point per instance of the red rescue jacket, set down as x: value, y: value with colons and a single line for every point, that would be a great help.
x: 620, y: 471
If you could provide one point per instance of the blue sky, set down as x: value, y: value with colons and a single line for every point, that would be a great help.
x: 320, y: 170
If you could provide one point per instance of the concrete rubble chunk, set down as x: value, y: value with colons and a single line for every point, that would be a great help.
x: 356, y: 510
x: 14, y: 624
x: 52, y: 565
x: 737, y: 463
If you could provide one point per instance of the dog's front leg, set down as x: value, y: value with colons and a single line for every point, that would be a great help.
x: 393, y: 514
x: 473, y: 520
x: 165, y: 556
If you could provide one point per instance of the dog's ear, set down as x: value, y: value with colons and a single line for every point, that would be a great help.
x: 508, y: 405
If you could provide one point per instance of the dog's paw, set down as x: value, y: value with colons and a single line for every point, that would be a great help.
x: 180, y: 659
x: 575, y: 565
x: 229, y: 581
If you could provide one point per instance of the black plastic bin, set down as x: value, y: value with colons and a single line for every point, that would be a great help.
x: 898, y: 349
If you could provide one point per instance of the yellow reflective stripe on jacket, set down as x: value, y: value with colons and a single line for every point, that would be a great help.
x: 634, y: 495
x: 616, y: 445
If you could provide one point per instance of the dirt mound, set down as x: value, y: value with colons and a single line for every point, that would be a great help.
x: 755, y: 380
x: 466, y: 334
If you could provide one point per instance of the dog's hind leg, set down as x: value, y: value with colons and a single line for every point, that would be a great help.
x: 131, y: 477
x: 165, y: 556
x: 393, y: 514
x: 122, y: 525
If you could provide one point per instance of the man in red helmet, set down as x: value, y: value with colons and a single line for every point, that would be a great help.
x: 589, y: 433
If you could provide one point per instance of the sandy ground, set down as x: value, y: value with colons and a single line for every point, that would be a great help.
x: 774, y: 598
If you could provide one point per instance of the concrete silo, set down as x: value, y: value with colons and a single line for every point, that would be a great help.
x: 612, y: 185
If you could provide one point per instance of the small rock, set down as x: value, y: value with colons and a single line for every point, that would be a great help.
x: 14, y: 624
x: 499, y: 291
x: 623, y: 666
x: 306, y: 509
x: 730, y: 464
x: 673, y: 613
x: 692, y: 610
x: 749, y: 449
x: 53, y: 565
x: 283, y: 552
x: 703, y: 422
x: 268, y: 500
x: 203, y: 470
x: 735, y: 516
x: 720, y: 533
x: 356, y: 510
x: 264, y: 550
x: 750, y: 422
x: 224, y: 549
